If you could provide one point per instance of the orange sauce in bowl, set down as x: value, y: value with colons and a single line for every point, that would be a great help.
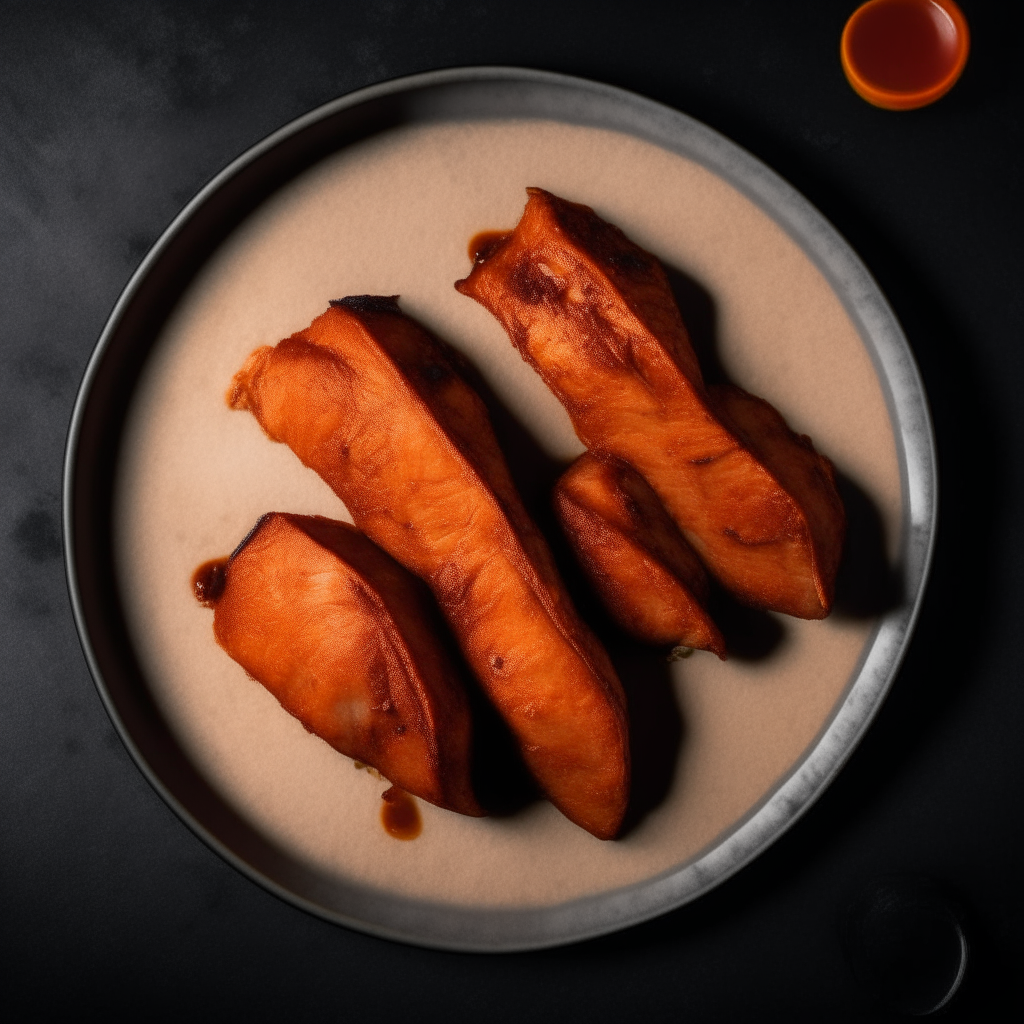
x: 903, y: 54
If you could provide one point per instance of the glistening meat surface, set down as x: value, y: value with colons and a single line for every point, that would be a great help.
x: 646, y: 574
x: 341, y: 635
x: 377, y: 406
x: 593, y: 313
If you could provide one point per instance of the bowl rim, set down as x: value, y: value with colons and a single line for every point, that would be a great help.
x: 904, y: 99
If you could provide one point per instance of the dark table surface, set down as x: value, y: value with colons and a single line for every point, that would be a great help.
x: 112, y: 115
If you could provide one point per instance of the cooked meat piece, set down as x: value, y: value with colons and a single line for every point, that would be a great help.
x: 643, y: 570
x: 341, y: 635
x: 593, y: 313
x: 379, y: 408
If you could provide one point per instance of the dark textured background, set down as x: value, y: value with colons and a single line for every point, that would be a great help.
x: 112, y: 115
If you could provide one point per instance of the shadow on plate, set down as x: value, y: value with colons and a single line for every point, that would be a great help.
x: 866, y: 586
x: 656, y: 726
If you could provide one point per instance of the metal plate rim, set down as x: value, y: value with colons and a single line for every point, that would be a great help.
x: 506, y: 929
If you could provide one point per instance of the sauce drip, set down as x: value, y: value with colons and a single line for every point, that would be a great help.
x: 482, y: 245
x: 208, y: 581
x: 399, y: 815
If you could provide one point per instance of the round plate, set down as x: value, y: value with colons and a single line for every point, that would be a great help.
x: 457, y: 97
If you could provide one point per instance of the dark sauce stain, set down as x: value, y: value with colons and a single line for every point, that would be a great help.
x: 483, y: 245
x: 399, y: 814
x: 208, y: 581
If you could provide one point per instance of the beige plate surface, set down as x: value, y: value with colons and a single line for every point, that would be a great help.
x: 797, y: 320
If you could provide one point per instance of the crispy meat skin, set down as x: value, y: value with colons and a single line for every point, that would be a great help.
x: 594, y: 315
x: 641, y: 566
x: 377, y: 406
x: 340, y: 634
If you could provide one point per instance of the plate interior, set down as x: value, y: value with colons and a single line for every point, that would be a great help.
x: 389, y: 209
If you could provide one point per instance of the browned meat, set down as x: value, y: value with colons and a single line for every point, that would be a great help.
x: 593, y: 313
x: 377, y: 406
x: 340, y: 634
x: 644, y: 571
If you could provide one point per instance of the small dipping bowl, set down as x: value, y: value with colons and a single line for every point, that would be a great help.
x: 903, y: 54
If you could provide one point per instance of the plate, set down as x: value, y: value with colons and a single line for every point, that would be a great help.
x: 379, y: 192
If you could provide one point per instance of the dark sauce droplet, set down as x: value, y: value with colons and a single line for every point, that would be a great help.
x: 399, y: 815
x: 208, y: 581
x: 483, y: 245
